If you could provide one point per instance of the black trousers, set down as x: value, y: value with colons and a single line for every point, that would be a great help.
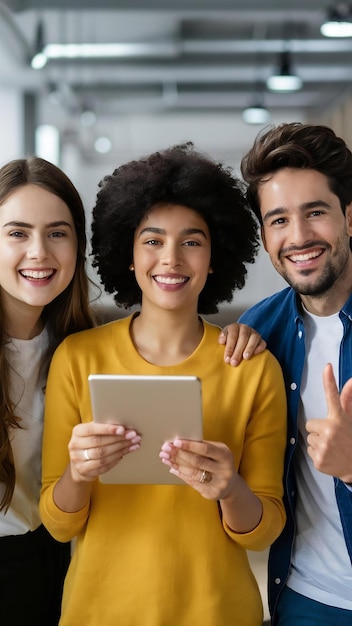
x: 32, y: 571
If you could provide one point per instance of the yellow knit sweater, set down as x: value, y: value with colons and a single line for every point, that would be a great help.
x: 159, y: 555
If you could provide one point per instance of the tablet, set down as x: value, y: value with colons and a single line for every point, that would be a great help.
x: 159, y: 408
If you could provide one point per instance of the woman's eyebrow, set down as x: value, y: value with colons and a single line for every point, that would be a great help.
x: 162, y: 231
x: 27, y: 225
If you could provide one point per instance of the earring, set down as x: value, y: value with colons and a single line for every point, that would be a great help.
x: 131, y: 267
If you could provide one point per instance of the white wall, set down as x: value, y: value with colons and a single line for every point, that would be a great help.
x: 11, y: 125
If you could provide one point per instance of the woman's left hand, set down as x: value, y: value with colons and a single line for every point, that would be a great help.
x: 207, y: 466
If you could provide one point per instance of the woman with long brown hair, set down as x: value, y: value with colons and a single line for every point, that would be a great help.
x: 43, y: 298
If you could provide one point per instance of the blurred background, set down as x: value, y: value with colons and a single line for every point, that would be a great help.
x: 90, y: 85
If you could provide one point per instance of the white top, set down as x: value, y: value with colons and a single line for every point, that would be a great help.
x: 29, y: 362
x: 321, y: 569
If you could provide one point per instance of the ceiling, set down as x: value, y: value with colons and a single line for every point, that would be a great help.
x: 179, y: 57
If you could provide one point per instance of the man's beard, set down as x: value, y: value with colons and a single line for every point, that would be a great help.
x: 319, y: 285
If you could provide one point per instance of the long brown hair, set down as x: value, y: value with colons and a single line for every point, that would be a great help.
x: 67, y: 313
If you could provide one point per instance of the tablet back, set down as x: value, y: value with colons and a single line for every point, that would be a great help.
x: 159, y: 408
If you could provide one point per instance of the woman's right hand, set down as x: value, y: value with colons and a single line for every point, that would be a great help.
x: 96, y: 448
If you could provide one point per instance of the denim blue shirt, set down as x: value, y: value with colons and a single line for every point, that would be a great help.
x: 278, y: 319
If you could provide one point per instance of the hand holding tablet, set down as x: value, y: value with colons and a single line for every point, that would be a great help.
x: 159, y: 408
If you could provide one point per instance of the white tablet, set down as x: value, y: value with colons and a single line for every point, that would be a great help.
x: 159, y: 408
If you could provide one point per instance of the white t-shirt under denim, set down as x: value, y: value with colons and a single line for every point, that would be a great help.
x: 321, y: 568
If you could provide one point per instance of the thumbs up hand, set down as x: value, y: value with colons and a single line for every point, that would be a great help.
x: 330, y: 439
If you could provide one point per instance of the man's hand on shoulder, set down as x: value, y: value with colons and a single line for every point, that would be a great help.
x: 241, y: 342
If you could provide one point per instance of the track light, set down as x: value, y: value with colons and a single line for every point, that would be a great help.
x: 286, y: 79
x: 339, y: 21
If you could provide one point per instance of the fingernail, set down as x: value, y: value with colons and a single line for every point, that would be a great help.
x: 234, y: 362
x: 131, y: 434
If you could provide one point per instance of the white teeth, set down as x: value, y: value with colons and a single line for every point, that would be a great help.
x: 37, y: 274
x: 167, y: 280
x: 304, y: 257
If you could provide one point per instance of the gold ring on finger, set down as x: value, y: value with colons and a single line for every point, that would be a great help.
x: 205, y: 477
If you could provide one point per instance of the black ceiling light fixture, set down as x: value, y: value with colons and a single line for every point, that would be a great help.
x: 285, y: 79
x: 256, y: 111
x: 338, y: 21
x: 39, y: 58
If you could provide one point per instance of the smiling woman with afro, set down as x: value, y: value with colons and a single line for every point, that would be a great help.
x: 178, y: 175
